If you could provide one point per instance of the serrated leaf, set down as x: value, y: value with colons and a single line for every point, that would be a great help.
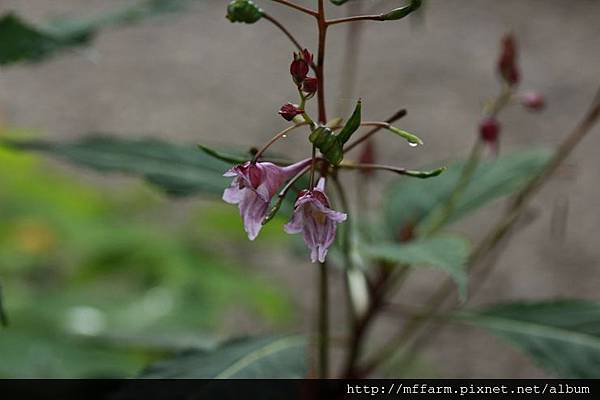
x: 351, y: 125
x: 248, y: 358
x: 180, y: 170
x: 561, y: 336
x: 22, y: 41
x: 410, y: 202
x: 446, y: 252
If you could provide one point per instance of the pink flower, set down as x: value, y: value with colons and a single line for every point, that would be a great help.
x: 313, y: 217
x: 252, y: 188
x: 533, y: 101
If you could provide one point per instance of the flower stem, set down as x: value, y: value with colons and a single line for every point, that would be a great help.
x: 275, y: 138
x: 323, y: 323
x: 322, y: 27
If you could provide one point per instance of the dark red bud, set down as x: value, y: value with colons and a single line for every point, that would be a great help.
x: 507, y: 62
x: 533, y: 101
x: 310, y: 85
x: 299, y: 70
x: 307, y: 56
x: 288, y: 111
x: 489, y: 130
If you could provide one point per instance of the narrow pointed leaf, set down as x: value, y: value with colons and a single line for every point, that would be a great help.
x: 562, y: 336
x: 25, y: 42
x: 410, y: 202
x: 352, y: 125
x: 248, y: 358
x: 222, y: 156
x: 179, y: 169
x: 446, y: 252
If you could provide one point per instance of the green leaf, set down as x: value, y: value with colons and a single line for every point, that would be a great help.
x: 352, y: 125
x: 21, y: 41
x: 248, y: 358
x: 180, y: 170
x: 228, y: 158
x: 338, y: 2
x: 447, y: 252
x: 410, y: 202
x: 243, y: 11
x: 562, y: 336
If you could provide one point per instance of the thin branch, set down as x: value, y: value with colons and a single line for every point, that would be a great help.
x: 374, y: 17
x: 500, y: 230
x: 323, y: 321
x: 297, y: 7
x: 399, y: 114
x: 275, y: 138
x: 287, y: 33
x: 398, y: 170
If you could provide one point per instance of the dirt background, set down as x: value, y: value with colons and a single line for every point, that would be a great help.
x: 195, y: 77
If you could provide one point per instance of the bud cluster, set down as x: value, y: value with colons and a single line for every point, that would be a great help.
x: 508, y: 69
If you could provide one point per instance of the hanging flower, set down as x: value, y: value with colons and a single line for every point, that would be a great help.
x: 252, y: 188
x: 313, y: 217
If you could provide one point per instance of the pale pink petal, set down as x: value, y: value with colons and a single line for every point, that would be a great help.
x: 253, y: 210
x: 233, y: 194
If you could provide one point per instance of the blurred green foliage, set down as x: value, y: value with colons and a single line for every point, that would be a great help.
x: 99, y: 282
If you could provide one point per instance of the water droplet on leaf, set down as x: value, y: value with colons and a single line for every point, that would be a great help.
x: 413, y: 144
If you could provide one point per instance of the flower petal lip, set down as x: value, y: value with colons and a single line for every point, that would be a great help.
x: 317, y: 222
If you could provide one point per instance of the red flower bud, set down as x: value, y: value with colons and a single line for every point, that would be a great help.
x: 310, y: 85
x: 288, y: 111
x: 307, y: 56
x: 489, y: 130
x: 507, y: 62
x: 533, y: 101
x: 301, y: 65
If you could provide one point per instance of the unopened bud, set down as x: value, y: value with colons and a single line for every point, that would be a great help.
x: 507, y: 62
x: 243, y: 11
x: 402, y: 12
x: 310, y: 85
x: 489, y: 130
x: 288, y: 111
x: 300, y: 65
x: 532, y: 100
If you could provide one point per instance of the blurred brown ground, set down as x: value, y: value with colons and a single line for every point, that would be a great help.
x: 196, y: 77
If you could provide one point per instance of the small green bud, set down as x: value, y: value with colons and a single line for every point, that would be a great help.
x: 243, y: 11
x: 402, y: 12
x: 338, y: 2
